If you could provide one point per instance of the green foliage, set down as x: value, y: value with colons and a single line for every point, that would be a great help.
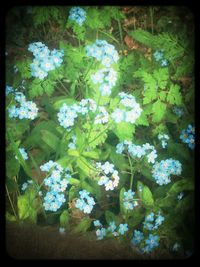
x: 12, y: 165
x: 28, y: 206
x: 38, y: 88
x: 174, y: 95
x: 83, y: 226
x: 64, y: 219
x: 145, y: 195
x: 50, y: 139
x: 124, y: 131
x: 158, y: 109
x: 24, y: 68
x: 44, y: 14
x: 121, y: 201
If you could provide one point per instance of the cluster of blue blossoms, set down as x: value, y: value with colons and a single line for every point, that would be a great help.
x: 137, y: 150
x: 78, y: 15
x: 72, y: 145
x: 178, y: 111
x: 57, y: 183
x: 163, y: 138
x: 158, y: 55
x: 150, y: 223
x: 107, y: 78
x: 23, y: 153
x: 188, y: 136
x: 103, y: 52
x: 147, y: 245
x: 45, y: 60
x: 26, y: 185
x: 162, y: 170
x: 112, y: 228
x: 25, y: 110
x: 85, y: 203
x: 132, y: 111
x: 110, y: 178
x: 129, y: 202
x: 67, y: 114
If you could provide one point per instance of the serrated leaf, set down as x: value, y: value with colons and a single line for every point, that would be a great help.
x: 72, y: 193
x: 73, y: 152
x: 162, y: 95
x: 85, y: 165
x: 159, y: 109
x: 161, y: 76
x: 91, y: 154
x: 142, y: 120
x: 174, y: 96
x: 124, y: 131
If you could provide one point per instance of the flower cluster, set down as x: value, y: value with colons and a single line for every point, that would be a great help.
x: 78, y: 15
x: 150, y: 223
x: 147, y: 245
x: 102, y: 117
x: 158, y: 55
x: 107, y: 78
x: 163, y: 138
x: 110, y: 178
x: 129, y: 202
x: 134, y: 110
x: 67, y: 114
x: 103, y: 52
x: 57, y: 182
x: 188, y: 136
x: 9, y: 89
x: 162, y: 170
x: 25, y: 109
x: 178, y: 111
x: 180, y: 196
x: 112, y: 228
x: 45, y: 60
x: 72, y: 145
x: 85, y: 202
x: 137, y: 150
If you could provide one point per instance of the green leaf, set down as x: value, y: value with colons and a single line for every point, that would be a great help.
x: 87, y: 187
x: 145, y: 195
x: 159, y: 109
x: 83, y: 164
x: 11, y: 185
x: 121, y: 201
x: 74, y: 181
x: 142, y: 120
x: 26, y: 206
x: 168, y: 201
x: 24, y: 68
x: 72, y: 193
x: 124, y: 131
x: 117, y: 159
x: 83, y: 226
x: 91, y: 154
x: 12, y: 165
x: 73, y: 152
x: 136, y: 217
x: 162, y: 95
x: 50, y: 139
x: 59, y: 101
x: 181, y: 185
x: 161, y: 76
x: 64, y: 219
x: 110, y: 216
x: 174, y: 96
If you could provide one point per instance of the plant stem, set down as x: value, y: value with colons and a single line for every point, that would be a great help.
x: 99, y: 135
x: 120, y: 31
x: 63, y: 86
x: 151, y: 15
x: 132, y: 173
x: 110, y: 36
x: 11, y: 202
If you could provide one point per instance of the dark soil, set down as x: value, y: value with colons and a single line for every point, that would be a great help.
x: 36, y: 242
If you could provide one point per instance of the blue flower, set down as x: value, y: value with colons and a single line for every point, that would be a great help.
x: 112, y: 226
x: 152, y: 241
x: 78, y: 15
x: 180, y: 196
x: 123, y: 228
x: 101, y: 233
x: 137, y: 237
x: 97, y: 223
x: 158, y: 55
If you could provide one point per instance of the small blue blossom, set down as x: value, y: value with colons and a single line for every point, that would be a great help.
x: 137, y: 237
x: 97, y: 223
x: 123, y: 228
x: 78, y: 15
x: 152, y: 241
x: 188, y: 136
